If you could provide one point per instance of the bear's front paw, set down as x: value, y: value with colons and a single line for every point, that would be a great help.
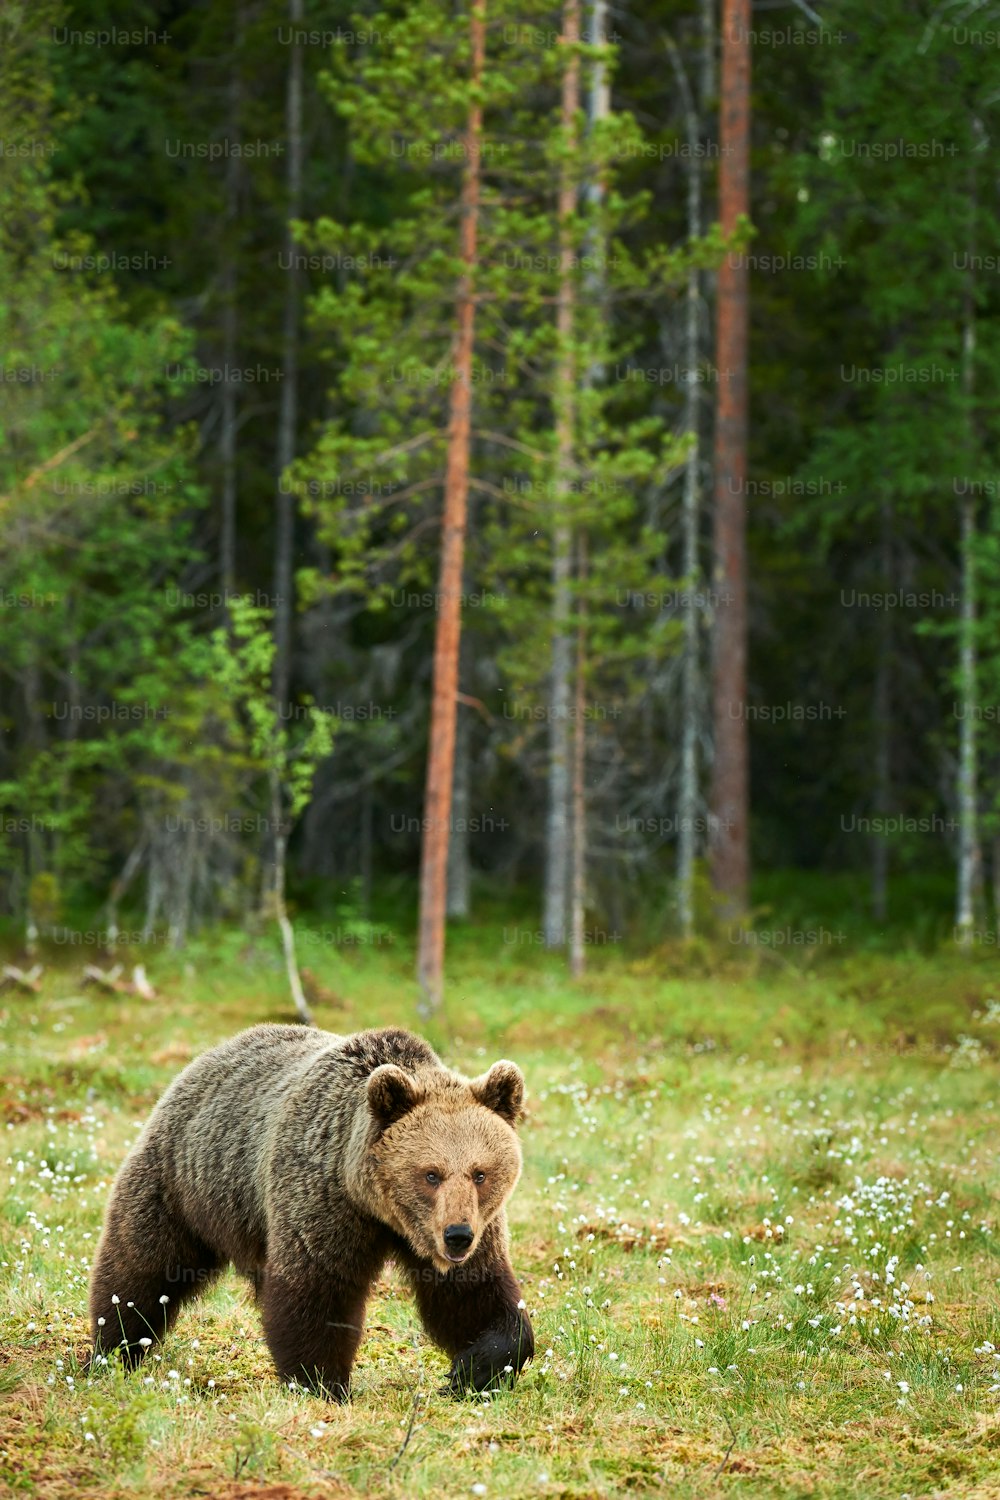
x: 491, y: 1363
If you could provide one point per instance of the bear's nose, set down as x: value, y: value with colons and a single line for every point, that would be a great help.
x: 459, y: 1237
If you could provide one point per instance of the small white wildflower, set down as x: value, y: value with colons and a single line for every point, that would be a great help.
x: 100, y: 1322
x: 115, y: 1298
x: 164, y: 1300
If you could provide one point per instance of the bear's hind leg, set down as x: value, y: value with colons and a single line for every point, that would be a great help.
x: 147, y: 1266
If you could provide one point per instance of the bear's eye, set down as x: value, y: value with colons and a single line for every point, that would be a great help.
x: 479, y: 1178
x: 433, y: 1179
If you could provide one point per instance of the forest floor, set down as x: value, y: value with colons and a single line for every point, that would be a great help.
x: 757, y: 1233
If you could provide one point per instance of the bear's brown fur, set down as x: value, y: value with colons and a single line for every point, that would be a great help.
x: 307, y: 1160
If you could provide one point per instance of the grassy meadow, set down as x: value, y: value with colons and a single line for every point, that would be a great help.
x: 757, y: 1233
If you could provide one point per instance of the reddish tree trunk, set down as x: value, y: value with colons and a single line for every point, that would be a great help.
x: 447, y: 639
x: 730, y: 852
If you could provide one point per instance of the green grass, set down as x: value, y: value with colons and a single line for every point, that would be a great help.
x: 746, y: 1174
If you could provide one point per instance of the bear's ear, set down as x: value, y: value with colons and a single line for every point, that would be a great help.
x: 391, y: 1093
x: 501, y: 1090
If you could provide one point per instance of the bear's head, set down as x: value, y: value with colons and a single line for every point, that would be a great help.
x: 446, y: 1156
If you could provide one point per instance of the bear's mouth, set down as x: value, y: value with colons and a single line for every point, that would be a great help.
x: 457, y: 1260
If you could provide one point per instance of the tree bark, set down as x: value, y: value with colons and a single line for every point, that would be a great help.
x: 687, y: 801
x: 968, y: 820
x: 227, y: 439
x: 285, y: 504
x: 227, y: 443
x: 367, y: 820
x: 730, y: 853
x: 458, y: 842
x: 706, y: 85
x: 285, y: 501
x: 969, y: 859
x: 883, y: 732
x: 447, y: 639
x: 578, y: 899
x: 280, y: 909
x: 557, y: 842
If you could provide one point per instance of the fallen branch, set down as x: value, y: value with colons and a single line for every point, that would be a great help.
x: 729, y: 1450
x: 107, y: 979
x: 111, y: 980
x: 24, y: 980
x: 409, y: 1431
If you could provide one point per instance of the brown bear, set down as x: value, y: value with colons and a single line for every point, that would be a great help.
x: 307, y: 1160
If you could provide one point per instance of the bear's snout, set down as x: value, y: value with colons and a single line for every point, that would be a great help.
x: 458, y: 1238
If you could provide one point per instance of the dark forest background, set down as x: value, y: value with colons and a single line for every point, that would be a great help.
x: 145, y: 271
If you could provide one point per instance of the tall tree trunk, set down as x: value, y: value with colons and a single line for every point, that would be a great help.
x: 227, y: 439
x: 730, y: 851
x: 883, y: 731
x: 458, y: 833
x: 598, y: 109
x: 280, y: 909
x: 367, y: 819
x: 968, y: 820
x: 969, y: 861
x: 557, y: 843
x: 285, y: 504
x: 35, y: 739
x: 706, y: 83
x: 578, y: 897
x: 687, y: 801
x: 448, y: 633
x: 274, y: 844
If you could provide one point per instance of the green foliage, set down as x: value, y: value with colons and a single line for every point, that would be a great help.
x: 243, y: 655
